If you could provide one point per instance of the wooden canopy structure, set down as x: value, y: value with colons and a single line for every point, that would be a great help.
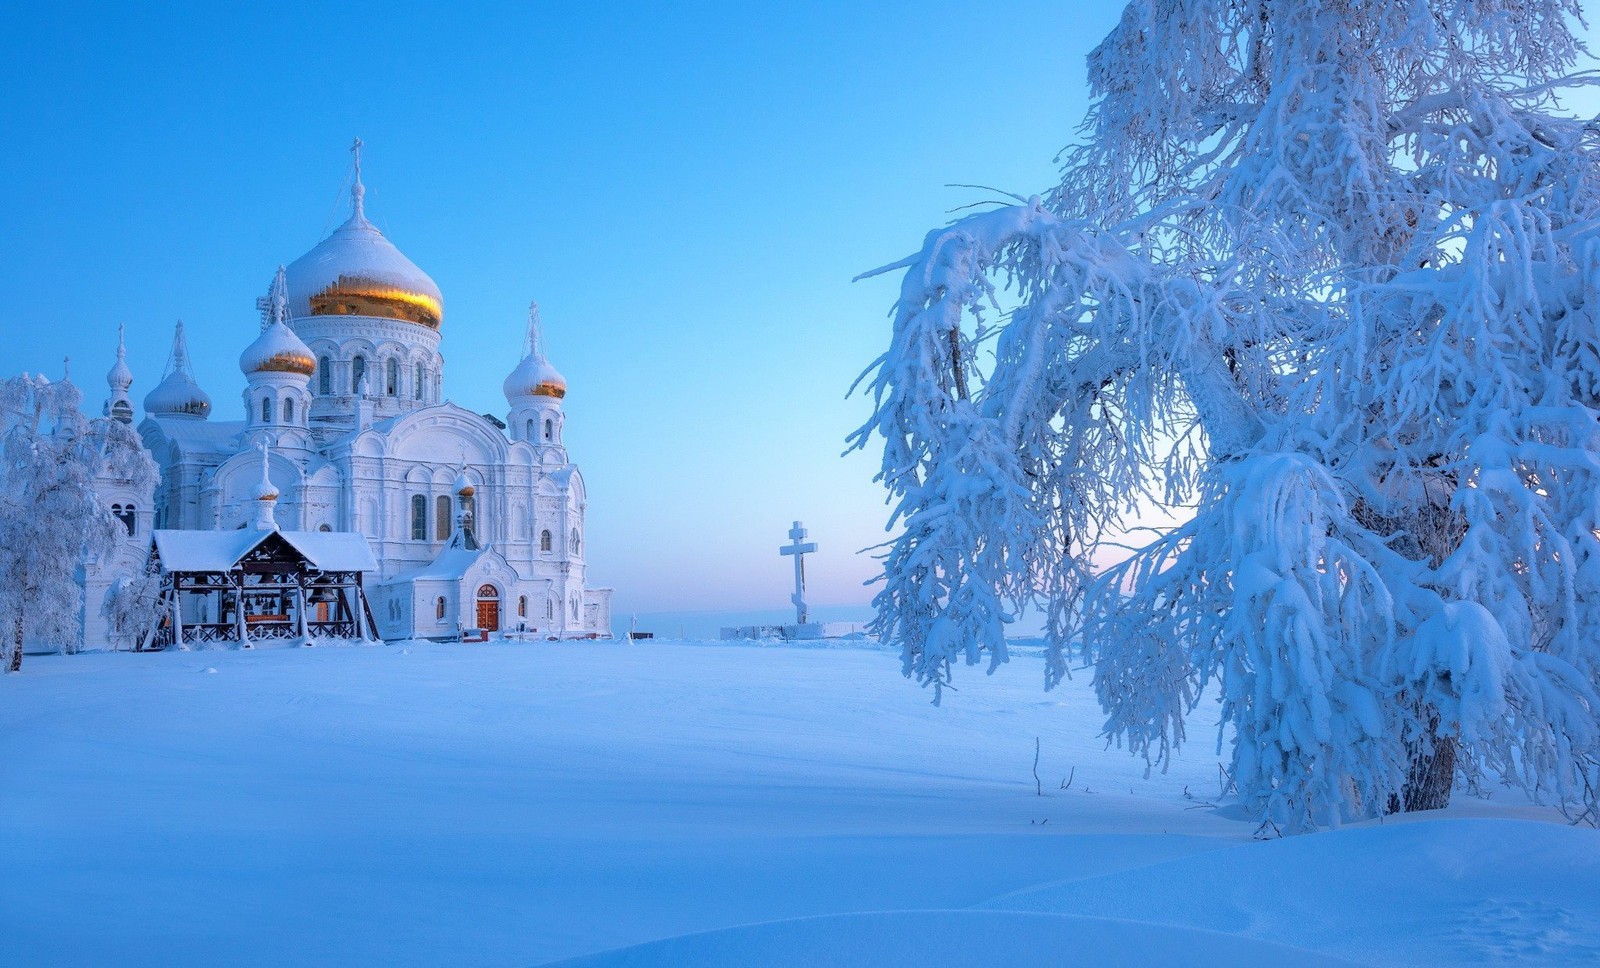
x: 250, y: 586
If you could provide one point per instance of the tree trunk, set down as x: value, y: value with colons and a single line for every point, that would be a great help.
x: 1432, y: 772
x: 16, y: 649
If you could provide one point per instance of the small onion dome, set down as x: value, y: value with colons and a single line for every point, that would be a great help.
x: 534, y: 377
x: 357, y: 272
x: 265, y: 491
x: 463, y: 486
x: 277, y: 350
x: 178, y: 395
x: 120, y: 378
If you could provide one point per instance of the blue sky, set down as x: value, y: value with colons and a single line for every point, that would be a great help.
x: 686, y: 189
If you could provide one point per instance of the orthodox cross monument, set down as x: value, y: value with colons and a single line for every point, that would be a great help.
x: 799, y: 548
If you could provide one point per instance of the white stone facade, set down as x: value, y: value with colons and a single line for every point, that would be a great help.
x: 345, y: 385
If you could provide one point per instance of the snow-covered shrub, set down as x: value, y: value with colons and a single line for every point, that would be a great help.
x: 1327, y: 272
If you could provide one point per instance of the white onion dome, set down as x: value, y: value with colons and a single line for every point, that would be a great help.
x: 177, y: 396
x: 534, y: 377
x: 120, y: 378
x: 277, y: 350
x: 463, y: 485
x: 357, y: 272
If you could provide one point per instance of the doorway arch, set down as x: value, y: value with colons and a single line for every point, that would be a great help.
x: 488, y: 608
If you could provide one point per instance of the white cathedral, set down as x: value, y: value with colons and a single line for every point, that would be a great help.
x: 472, y: 523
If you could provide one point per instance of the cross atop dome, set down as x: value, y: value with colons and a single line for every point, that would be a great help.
x: 358, y: 191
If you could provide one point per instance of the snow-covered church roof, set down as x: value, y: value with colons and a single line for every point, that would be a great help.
x: 221, y: 550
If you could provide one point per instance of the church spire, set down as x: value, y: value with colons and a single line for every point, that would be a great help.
x: 278, y: 298
x: 358, y: 191
x: 533, y: 347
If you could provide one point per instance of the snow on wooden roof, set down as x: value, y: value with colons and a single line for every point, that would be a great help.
x: 221, y: 550
x: 452, y: 564
x: 333, y: 550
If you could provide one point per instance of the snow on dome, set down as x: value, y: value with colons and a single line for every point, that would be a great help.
x: 463, y: 484
x: 534, y: 376
x: 178, y: 395
x: 277, y: 350
x: 357, y: 272
x: 120, y: 378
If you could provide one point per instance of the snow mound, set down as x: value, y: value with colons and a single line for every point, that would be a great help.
x: 930, y: 939
x: 1403, y: 893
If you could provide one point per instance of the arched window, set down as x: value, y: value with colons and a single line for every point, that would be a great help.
x: 522, y: 606
x: 438, y: 608
x: 529, y: 434
x: 550, y: 610
x: 441, y: 517
x: 544, y: 541
x: 416, y: 387
x: 324, y: 527
x: 573, y: 546
x: 358, y: 369
x: 391, y: 378
x: 288, y: 410
x: 574, y: 608
x: 419, y: 517
x: 266, y: 410
x: 549, y: 429
x: 324, y: 375
x: 125, y: 514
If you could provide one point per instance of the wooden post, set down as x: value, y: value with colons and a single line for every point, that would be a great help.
x: 177, y: 615
x: 239, y: 622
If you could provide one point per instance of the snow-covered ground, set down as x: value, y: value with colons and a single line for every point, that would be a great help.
x: 512, y: 804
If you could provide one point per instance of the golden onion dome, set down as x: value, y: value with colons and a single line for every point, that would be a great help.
x: 357, y: 272
x: 277, y: 350
x: 534, y: 377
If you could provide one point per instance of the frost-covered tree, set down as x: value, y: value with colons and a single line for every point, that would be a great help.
x: 51, y: 520
x: 1325, y: 272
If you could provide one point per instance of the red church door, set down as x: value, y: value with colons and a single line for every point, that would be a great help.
x: 488, y: 609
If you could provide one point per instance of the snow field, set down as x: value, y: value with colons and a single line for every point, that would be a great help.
x: 508, y: 804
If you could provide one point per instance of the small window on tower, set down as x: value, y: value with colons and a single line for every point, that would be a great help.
x: 441, y: 515
x: 288, y: 411
x: 266, y: 410
x: 544, y: 541
x: 126, y: 514
x: 438, y: 608
x: 358, y: 369
x: 416, y: 387
x: 573, y: 547
x: 324, y: 375
x: 549, y: 429
x: 391, y: 378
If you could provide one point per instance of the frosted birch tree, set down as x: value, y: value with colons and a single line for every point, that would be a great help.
x: 1325, y: 273
x: 51, y: 520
